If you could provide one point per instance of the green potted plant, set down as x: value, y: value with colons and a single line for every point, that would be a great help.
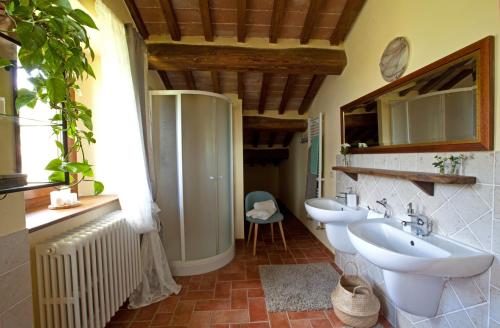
x: 440, y: 162
x: 344, y: 150
x: 55, y: 50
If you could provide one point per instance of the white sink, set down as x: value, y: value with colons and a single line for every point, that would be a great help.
x: 415, y: 268
x: 336, y: 217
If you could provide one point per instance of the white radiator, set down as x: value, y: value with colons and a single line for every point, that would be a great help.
x: 87, y: 273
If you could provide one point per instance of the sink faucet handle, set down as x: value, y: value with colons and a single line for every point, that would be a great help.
x: 410, y: 209
x: 382, y: 202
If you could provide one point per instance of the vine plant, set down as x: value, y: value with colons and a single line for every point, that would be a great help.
x: 55, y: 50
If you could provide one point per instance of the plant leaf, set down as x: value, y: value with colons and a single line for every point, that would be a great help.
x: 60, y: 146
x: 98, y: 187
x: 57, y: 176
x: 5, y: 63
x: 26, y: 97
x: 54, y: 165
x: 83, y: 18
x: 56, y: 89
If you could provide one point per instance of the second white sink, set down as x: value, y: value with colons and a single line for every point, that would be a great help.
x: 336, y: 217
x: 414, y: 268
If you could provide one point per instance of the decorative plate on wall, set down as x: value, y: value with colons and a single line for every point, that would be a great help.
x: 395, y: 59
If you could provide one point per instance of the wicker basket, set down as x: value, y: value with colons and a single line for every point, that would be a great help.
x: 354, y: 302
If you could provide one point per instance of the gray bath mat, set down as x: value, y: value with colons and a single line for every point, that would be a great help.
x: 298, y: 287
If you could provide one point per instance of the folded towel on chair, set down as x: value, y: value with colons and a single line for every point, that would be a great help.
x: 262, y: 210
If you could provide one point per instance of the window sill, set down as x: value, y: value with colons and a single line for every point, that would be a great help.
x: 41, y: 217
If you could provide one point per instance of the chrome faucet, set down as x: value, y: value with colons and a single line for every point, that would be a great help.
x: 342, y: 196
x: 383, y: 202
x: 420, y: 225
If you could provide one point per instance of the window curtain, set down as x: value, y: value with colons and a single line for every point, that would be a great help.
x: 120, y: 154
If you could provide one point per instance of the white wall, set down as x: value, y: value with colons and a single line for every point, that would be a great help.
x: 259, y: 177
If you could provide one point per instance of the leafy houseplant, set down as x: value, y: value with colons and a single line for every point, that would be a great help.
x: 440, y: 162
x: 55, y: 50
x: 344, y: 150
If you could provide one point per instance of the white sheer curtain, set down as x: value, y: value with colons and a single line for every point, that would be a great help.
x: 120, y: 156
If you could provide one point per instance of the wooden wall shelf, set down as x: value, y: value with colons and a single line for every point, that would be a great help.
x: 425, y: 181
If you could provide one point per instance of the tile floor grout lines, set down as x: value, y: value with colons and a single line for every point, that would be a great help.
x: 232, y: 297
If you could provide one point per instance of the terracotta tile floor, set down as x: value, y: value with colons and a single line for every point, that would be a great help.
x: 232, y: 296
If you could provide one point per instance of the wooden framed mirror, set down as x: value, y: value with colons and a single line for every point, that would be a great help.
x: 444, y: 106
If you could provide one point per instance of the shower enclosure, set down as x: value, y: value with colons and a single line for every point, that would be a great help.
x: 192, y: 150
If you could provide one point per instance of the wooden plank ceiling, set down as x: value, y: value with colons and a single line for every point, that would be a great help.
x: 286, y: 86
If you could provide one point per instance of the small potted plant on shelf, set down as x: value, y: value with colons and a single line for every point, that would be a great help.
x: 456, y: 163
x: 440, y: 162
x: 344, y: 150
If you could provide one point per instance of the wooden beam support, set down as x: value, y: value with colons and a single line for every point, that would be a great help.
x: 272, y: 138
x: 216, y: 82
x: 190, y: 81
x: 288, y: 139
x: 314, y: 86
x: 264, y: 87
x: 347, y: 18
x: 241, y: 85
x: 256, y: 138
x: 206, y: 20
x: 166, y: 81
x: 186, y: 57
x: 241, y: 9
x: 311, y: 18
x: 287, y: 92
x: 168, y: 12
x: 457, y: 78
x: 136, y: 17
x: 278, y: 12
x: 264, y: 156
x: 276, y: 124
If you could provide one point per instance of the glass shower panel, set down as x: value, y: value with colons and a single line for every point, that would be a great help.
x: 199, y: 176
x: 163, y: 131
x: 223, y: 151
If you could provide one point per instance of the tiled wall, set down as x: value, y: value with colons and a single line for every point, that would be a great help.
x: 15, y: 281
x: 470, y: 214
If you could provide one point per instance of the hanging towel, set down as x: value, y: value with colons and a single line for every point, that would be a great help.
x: 311, y: 180
x: 314, y: 155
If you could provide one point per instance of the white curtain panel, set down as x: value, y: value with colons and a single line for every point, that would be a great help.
x: 120, y: 156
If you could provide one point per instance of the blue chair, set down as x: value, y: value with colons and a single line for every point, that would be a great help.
x: 260, y: 196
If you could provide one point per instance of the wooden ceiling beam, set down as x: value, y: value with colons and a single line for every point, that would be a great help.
x: 277, y: 16
x: 187, y: 57
x: 457, y: 78
x: 265, y: 156
x: 272, y: 138
x: 313, y: 88
x: 241, y: 25
x: 241, y: 85
x: 216, y: 82
x: 166, y: 81
x: 173, y: 26
x: 256, y: 138
x: 311, y: 18
x: 274, y: 124
x: 264, y: 87
x: 288, y: 139
x: 347, y: 18
x: 136, y: 17
x: 287, y: 92
x: 206, y: 20
x: 190, y: 81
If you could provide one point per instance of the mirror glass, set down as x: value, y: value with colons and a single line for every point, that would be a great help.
x: 437, y: 107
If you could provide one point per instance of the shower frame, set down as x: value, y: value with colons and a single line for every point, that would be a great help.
x: 185, y: 267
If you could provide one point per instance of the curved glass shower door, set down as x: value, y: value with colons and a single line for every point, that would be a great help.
x: 192, y: 144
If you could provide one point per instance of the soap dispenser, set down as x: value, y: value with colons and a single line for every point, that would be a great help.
x: 352, y: 199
